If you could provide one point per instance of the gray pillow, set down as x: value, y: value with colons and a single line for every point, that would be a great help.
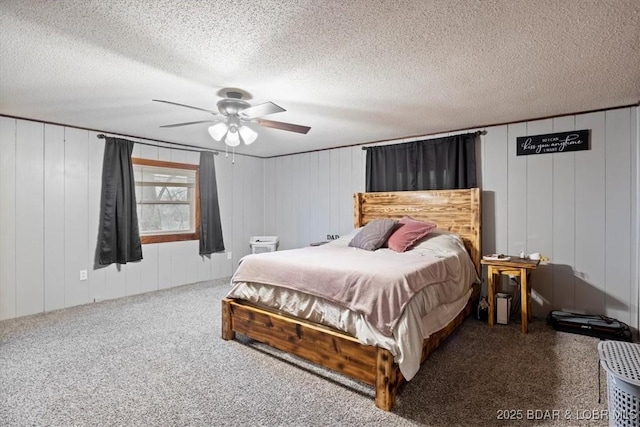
x: 374, y: 234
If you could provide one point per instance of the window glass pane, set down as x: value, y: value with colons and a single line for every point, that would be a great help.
x: 174, y: 217
x: 149, y: 219
x: 148, y: 194
x: 173, y: 194
x: 159, y: 218
x: 166, y: 199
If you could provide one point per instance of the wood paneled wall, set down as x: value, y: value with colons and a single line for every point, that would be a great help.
x: 50, y: 181
x: 578, y: 208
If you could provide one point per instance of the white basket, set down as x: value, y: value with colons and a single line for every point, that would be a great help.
x: 621, y: 360
x: 261, y: 244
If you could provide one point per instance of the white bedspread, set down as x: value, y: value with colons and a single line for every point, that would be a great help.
x: 443, y: 300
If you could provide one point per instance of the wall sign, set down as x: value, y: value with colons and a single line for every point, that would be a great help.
x: 553, y: 142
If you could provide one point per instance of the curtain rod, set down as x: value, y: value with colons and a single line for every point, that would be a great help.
x: 103, y: 136
x: 478, y: 132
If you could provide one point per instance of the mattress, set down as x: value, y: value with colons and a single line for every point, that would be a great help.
x: 420, y: 318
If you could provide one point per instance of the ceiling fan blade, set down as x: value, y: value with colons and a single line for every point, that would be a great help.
x: 283, y: 126
x: 187, y: 123
x: 260, y: 110
x: 187, y: 106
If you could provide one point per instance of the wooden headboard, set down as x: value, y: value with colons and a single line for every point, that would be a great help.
x: 453, y: 210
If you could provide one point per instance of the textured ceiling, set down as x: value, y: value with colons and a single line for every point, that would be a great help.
x: 355, y: 71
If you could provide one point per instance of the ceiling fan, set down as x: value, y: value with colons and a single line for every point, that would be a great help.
x: 233, y: 115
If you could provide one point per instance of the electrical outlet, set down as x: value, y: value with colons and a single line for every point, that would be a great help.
x: 83, y: 274
x: 229, y: 255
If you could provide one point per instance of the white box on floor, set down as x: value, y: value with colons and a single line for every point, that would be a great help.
x: 503, y: 308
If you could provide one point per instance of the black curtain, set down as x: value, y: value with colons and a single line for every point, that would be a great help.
x: 210, y: 227
x: 433, y: 164
x: 118, y: 237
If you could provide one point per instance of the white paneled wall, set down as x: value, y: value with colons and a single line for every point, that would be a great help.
x: 310, y: 195
x: 578, y: 208
x: 50, y: 181
x: 635, y: 211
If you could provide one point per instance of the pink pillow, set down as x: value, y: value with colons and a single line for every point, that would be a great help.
x: 408, y: 233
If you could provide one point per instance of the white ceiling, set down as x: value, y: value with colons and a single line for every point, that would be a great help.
x: 355, y: 71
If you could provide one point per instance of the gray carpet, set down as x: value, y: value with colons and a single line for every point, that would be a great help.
x: 157, y: 359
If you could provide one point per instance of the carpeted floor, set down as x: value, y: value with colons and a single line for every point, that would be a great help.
x: 157, y: 359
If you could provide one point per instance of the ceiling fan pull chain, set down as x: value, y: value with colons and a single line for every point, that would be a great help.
x: 233, y: 156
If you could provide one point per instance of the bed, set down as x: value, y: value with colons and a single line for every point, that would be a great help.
x: 340, y: 348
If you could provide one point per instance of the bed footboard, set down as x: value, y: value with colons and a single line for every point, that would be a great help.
x: 318, y: 344
x: 328, y: 347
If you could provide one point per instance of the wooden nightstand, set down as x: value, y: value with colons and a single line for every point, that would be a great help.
x: 519, y: 267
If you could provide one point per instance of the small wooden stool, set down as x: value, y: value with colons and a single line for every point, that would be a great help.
x: 519, y: 267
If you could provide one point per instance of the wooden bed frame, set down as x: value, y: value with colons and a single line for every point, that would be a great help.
x: 453, y: 210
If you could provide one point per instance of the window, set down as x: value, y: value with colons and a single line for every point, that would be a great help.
x: 167, y: 196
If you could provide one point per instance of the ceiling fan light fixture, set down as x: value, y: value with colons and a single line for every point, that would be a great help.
x: 233, y: 138
x: 248, y: 135
x: 233, y: 113
x: 218, y: 131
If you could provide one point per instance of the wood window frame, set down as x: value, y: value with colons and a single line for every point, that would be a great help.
x: 176, y: 237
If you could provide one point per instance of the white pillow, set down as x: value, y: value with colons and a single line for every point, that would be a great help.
x: 440, y: 240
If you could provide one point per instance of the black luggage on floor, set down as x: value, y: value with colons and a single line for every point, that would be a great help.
x: 593, y: 325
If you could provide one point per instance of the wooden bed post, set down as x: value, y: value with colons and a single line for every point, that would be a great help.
x: 476, y: 221
x: 386, y: 380
x: 357, y: 210
x: 227, y: 324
